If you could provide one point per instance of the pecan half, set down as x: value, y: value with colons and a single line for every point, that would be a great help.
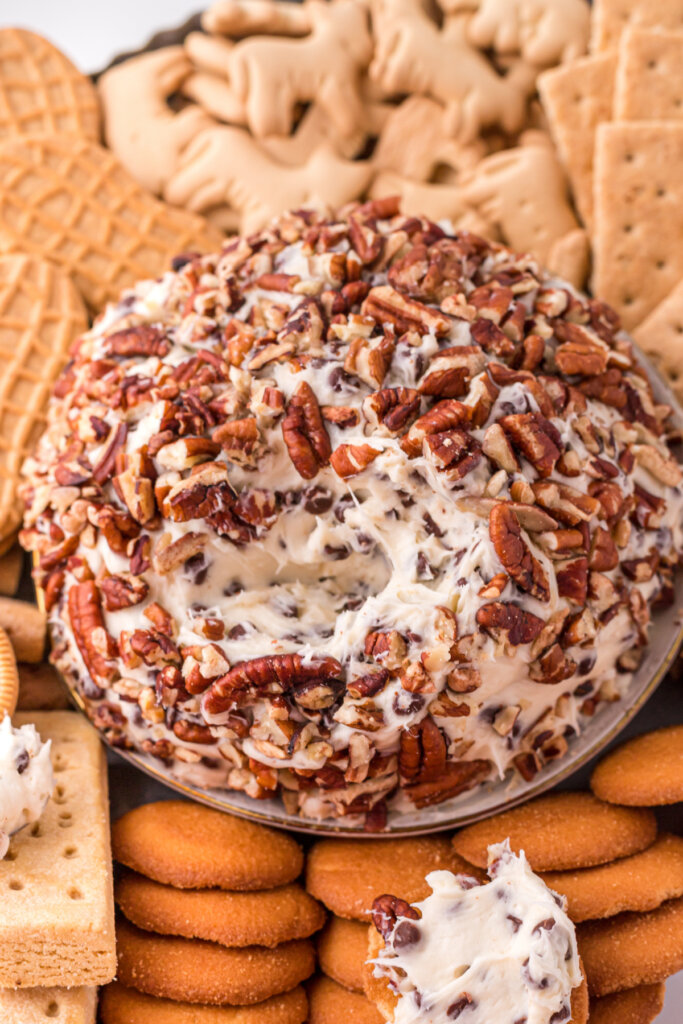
x: 97, y: 647
x: 384, y: 303
x: 457, y: 777
x: 386, y: 911
x: 443, y: 416
x: 238, y: 439
x: 537, y: 439
x: 391, y: 410
x: 503, y: 620
x: 565, y: 503
x: 518, y: 561
x: 142, y: 340
x: 450, y: 370
x: 572, y: 580
x: 122, y: 591
x: 277, y: 673
x: 305, y: 434
x: 422, y: 752
x: 454, y: 452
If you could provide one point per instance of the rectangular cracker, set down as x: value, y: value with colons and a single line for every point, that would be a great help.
x: 48, y: 1005
x: 57, y: 917
x: 649, y: 79
x: 611, y: 17
x: 660, y: 335
x: 638, y: 212
x: 577, y: 97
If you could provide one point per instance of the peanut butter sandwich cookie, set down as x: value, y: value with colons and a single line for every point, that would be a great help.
x: 641, y: 882
x: 330, y: 1003
x: 561, y: 832
x: 632, y: 949
x: 264, y: 918
x: 504, y: 951
x: 347, y: 874
x: 632, y: 1006
x: 121, y: 1005
x: 194, y: 971
x: 342, y: 949
x: 9, y: 676
x: 644, y: 772
x: 388, y: 558
x: 189, y: 846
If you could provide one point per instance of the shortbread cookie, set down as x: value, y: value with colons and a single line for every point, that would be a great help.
x: 330, y: 1003
x: 577, y: 97
x: 229, y: 918
x: 48, y: 1005
x: 9, y: 676
x: 57, y: 920
x: 632, y: 949
x: 632, y: 1006
x: 646, y: 771
x: 612, y: 17
x: 71, y: 201
x: 649, y: 81
x: 11, y: 565
x: 194, y: 971
x: 41, y: 688
x: 660, y: 336
x: 121, y: 1005
x: 25, y: 624
x: 193, y: 847
x: 638, y: 215
x: 561, y: 832
x: 641, y: 882
x: 347, y: 874
x: 139, y: 126
x: 342, y: 949
x: 41, y: 91
x: 41, y: 313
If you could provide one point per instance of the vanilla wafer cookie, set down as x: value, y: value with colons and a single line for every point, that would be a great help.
x: 632, y: 1006
x: 646, y: 771
x: 342, y: 950
x: 41, y: 313
x: 9, y: 676
x: 57, y: 919
x: 41, y: 91
x: 70, y: 200
x: 121, y: 1005
x: 48, y: 1005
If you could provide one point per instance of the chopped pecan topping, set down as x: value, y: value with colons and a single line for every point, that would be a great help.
x: 98, y: 649
x: 501, y: 619
x: 386, y: 910
x: 454, y: 452
x: 304, y: 433
x: 122, y: 591
x: 142, y: 340
x: 350, y: 459
x: 384, y: 303
x: 277, y: 673
x: 450, y: 371
x: 441, y: 417
x: 536, y: 438
x: 391, y: 409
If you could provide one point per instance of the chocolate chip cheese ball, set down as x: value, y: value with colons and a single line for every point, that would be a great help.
x: 356, y: 509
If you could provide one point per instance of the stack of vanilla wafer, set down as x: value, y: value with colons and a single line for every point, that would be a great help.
x: 213, y: 925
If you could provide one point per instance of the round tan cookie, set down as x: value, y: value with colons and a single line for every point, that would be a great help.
x: 561, y: 832
x: 632, y: 949
x: 634, y: 1006
x: 121, y: 1005
x: 193, y: 971
x: 330, y: 1003
x: 230, y: 918
x: 193, y: 847
x: 9, y: 676
x: 641, y: 882
x: 347, y: 874
x: 342, y: 949
x: 379, y: 991
x: 644, y: 772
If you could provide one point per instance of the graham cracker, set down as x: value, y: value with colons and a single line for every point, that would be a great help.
x: 638, y: 258
x: 611, y: 17
x: 57, y: 919
x: 577, y: 97
x: 48, y: 1005
x: 660, y: 336
x: 649, y: 80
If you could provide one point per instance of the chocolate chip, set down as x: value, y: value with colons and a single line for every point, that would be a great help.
x: 339, y: 380
x: 515, y: 922
x: 21, y: 761
x: 544, y: 926
x: 561, y: 1015
x: 406, y: 934
x: 431, y: 527
x: 468, y: 882
x: 317, y: 500
x: 236, y: 632
x: 196, y: 568
x: 342, y: 507
x: 586, y: 664
x: 456, y: 1008
x: 337, y: 553
x: 406, y: 703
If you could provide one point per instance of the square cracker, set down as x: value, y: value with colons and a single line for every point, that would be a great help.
x: 660, y: 335
x: 638, y: 257
x: 611, y: 17
x: 649, y: 79
x: 577, y: 97
x: 57, y: 917
x: 48, y: 1005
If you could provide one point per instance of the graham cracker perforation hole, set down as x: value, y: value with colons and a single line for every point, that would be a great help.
x: 11, y: 855
x: 15, y: 885
x: 36, y: 831
x: 52, y: 1009
x: 75, y: 894
x: 69, y: 852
